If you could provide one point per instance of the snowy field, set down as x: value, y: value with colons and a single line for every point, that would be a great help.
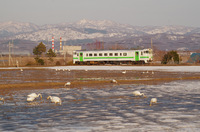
x: 154, y: 68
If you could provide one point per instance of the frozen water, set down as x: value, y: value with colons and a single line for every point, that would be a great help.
x: 110, y: 108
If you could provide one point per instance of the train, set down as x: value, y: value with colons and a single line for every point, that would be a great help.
x: 117, y: 57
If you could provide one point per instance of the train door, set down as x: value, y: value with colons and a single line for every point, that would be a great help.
x: 81, y: 56
x: 136, y: 55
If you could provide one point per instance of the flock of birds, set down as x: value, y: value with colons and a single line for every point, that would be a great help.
x: 153, y: 100
x: 57, y: 100
x: 137, y: 93
x: 54, y: 99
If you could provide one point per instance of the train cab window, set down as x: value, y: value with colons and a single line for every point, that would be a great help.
x: 90, y: 54
x: 100, y: 54
x: 110, y: 54
x: 87, y: 54
x: 120, y: 54
x: 81, y: 54
x: 124, y: 54
x: 105, y: 54
x: 116, y: 54
x: 95, y: 54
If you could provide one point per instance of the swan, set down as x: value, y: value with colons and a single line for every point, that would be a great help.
x: 137, y: 93
x: 113, y: 81
x: 1, y: 98
x: 67, y: 84
x: 32, y: 96
x: 29, y: 99
x: 124, y: 72
x: 153, y: 100
x: 54, y: 99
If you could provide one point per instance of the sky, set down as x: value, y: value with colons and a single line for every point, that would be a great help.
x: 133, y: 12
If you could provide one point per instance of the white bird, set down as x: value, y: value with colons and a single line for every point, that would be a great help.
x: 1, y: 98
x: 153, y: 100
x: 152, y: 72
x: 30, y: 99
x: 68, y: 70
x: 21, y: 70
x: 113, y: 81
x: 124, y: 72
x: 137, y: 93
x: 68, y: 84
x: 32, y: 96
x: 55, y: 99
x: 86, y: 70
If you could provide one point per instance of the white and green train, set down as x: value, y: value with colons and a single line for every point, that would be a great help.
x: 112, y: 56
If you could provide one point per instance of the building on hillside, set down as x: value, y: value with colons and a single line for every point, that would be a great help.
x: 69, y: 49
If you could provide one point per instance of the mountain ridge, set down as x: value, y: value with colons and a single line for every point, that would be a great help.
x: 103, y: 30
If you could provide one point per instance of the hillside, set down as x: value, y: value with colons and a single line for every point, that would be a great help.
x: 28, y: 35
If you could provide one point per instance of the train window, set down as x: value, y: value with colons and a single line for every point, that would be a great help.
x: 124, y: 54
x: 95, y: 54
x: 74, y: 53
x: 87, y: 54
x: 105, y: 54
x: 141, y: 53
x: 77, y: 54
x: 120, y: 54
x: 116, y: 54
x: 110, y: 54
x: 90, y: 54
x: 100, y: 54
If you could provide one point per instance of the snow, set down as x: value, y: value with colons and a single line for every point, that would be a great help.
x: 139, y: 68
x: 142, y: 68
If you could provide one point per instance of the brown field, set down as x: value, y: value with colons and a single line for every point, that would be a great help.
x: 42, y: 78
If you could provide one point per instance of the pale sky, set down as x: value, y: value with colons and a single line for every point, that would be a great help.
x: 133, y: 12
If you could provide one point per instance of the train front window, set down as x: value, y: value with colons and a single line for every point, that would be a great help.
x: 81, y: 54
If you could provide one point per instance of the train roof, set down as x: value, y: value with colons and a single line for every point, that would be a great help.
x: 107, y: 50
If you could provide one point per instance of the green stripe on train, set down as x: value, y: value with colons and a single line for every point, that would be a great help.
x: 110, y: 57
x: 144, y: 56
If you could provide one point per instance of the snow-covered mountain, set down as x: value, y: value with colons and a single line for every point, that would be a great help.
x: 107, y: 31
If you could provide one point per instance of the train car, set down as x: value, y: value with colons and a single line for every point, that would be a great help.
x: 112, y: 56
